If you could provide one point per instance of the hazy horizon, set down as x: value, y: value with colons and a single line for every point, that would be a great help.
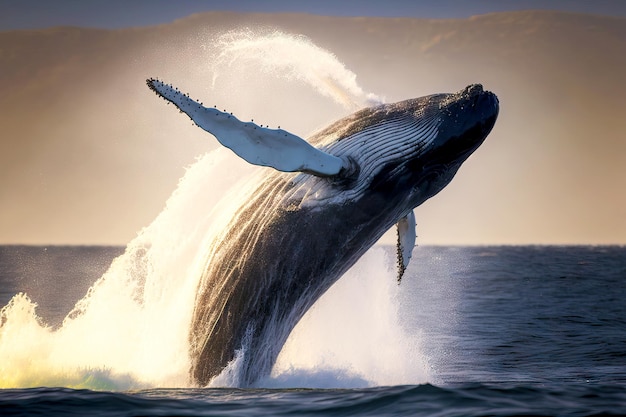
x: 116, y: 14
x: 90, y: 156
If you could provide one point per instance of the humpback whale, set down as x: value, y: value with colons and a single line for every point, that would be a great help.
x: 325, y: 203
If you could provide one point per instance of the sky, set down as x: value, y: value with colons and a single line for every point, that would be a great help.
x: 44, y: 199
x: 112, y: 14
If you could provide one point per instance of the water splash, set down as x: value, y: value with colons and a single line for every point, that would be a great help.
x: 353, y: 336
x: 131, y: 330
x: 292, y: 57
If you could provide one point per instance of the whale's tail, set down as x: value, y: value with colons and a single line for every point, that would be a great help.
x: 258, y: 145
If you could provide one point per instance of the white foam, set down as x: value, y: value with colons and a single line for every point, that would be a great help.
x: 353, y: 336
x: 131, y: 329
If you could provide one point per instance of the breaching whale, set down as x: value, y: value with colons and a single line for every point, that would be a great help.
x: 328, y: 200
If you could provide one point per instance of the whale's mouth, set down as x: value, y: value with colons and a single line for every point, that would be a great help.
x: 459, y: 148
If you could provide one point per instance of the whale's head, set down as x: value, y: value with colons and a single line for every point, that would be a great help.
x: 466, y: 118
x: 464, y: 121
x: 414, y: 148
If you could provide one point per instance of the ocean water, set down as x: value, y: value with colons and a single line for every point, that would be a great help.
x: 500, y: 331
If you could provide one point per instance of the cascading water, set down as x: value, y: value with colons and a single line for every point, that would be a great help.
x: 131, y: 329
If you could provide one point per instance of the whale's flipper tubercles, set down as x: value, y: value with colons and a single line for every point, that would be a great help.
x: 406, y: 242
x: 275, y: 148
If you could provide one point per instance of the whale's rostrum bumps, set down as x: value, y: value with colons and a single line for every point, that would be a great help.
x: 327, y: 201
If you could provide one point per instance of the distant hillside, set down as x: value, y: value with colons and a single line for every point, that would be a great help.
x: 83, y: 138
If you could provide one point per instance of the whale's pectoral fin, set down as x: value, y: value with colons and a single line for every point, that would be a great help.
x: 275, y: 148
x: 406, y: 242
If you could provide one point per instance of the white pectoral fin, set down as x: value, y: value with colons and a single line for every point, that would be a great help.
x: 257, y: 145
x: 406, y: 242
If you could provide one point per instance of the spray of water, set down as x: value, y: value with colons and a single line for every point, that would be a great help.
x: 292, y: 57
x: 353, y: 336
x: 131, y: 329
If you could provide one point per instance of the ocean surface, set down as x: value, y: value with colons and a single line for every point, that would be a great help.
x: 491, y: 331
